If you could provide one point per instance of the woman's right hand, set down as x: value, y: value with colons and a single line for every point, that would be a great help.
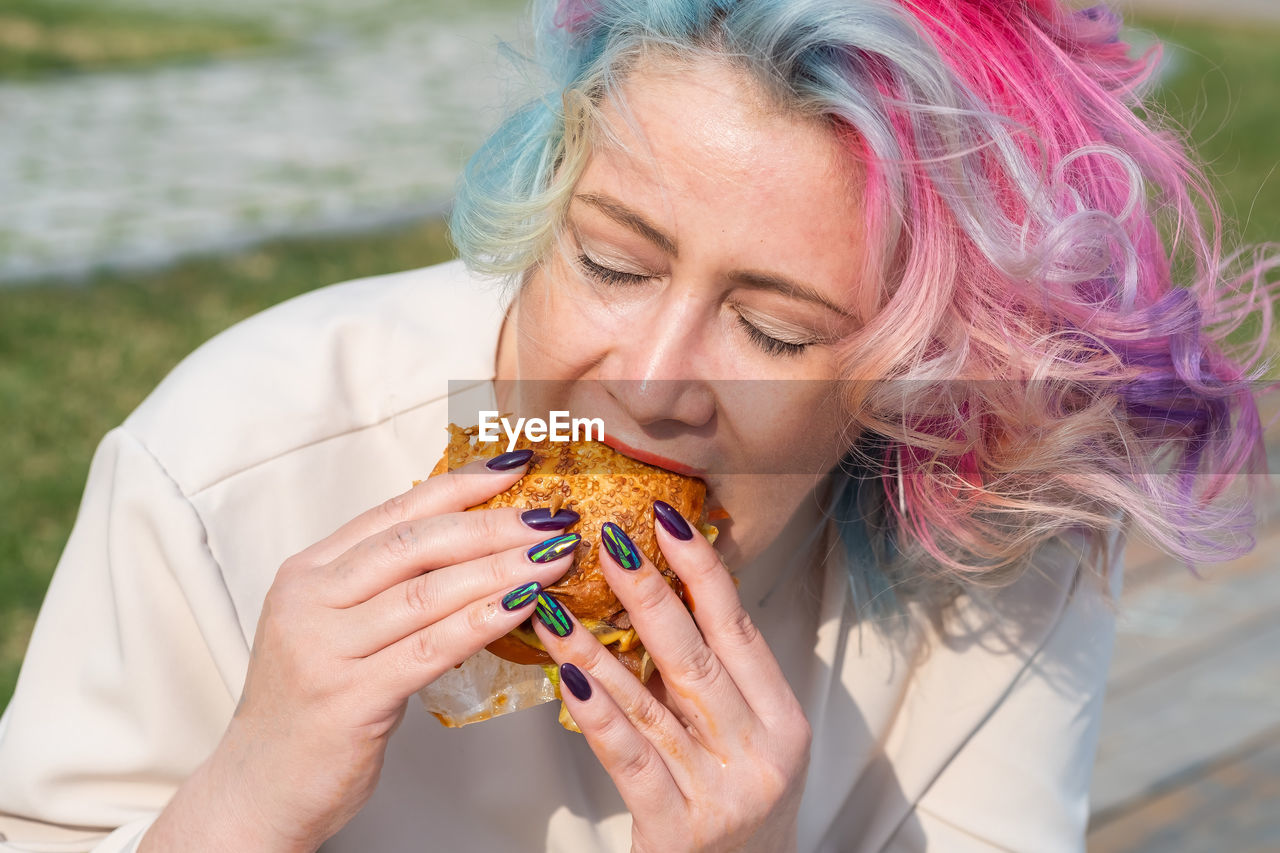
x: 350, y: 629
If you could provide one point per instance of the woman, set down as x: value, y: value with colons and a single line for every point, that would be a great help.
x: 928, y: 231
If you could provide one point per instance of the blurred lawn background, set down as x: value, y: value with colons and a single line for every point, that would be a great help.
x: 76, y: 359
x: 38, y: 37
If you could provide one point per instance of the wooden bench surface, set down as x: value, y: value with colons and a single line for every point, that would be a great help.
x: 1189, y: 752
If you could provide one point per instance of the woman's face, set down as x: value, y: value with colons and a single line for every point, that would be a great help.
x: 711, y: 254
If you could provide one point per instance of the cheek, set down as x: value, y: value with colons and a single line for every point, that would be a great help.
x: 786, y: 426
x: 555, y: 339
x: 790, y: 435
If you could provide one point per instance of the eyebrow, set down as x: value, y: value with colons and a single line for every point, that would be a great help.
x: 785, y: 286
x: 625, y: 216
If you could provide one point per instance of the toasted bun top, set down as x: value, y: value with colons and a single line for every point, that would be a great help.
x: 599, y: 484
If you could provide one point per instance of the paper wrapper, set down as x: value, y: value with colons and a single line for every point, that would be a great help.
x: 483, y: 687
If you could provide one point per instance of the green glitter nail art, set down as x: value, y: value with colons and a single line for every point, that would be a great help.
x: 556, y: 546
x: 521, y: 596
x: 620, y: 546
x: 553, y: 615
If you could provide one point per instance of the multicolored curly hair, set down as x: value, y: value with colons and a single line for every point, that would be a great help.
x: 1050, y: 296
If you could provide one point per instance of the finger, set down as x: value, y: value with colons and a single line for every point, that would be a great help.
x: 425, y: 599
x: 408, y: 665
x: 453, y: 491
x: 636, y: 739
x: 409, y: 548
x: 696, y: 681
x: 641, y: 774
x: 649, y: 716
x: 725, y: 624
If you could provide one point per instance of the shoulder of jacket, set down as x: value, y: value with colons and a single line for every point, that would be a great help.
x: 328, y: 362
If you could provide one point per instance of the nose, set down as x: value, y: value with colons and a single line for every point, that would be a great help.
x: 656, y: 373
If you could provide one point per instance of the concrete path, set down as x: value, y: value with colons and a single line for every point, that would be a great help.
x: 367, y: 121
x: 364, y: 123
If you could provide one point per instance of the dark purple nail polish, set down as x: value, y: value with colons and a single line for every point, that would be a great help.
x: 672, y: 520
x: 619, y: 546
x: 572, y: 677
x: 542, y: 519
x: 507, y: 461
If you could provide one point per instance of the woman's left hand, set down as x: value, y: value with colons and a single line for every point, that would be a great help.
x: 714, y: 756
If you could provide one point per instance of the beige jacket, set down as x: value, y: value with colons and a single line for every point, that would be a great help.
x: 277, y: 431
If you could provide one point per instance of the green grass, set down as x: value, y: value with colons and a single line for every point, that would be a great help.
x: 75, y: 360
x: 1226, y: 92
x: 40, y: 37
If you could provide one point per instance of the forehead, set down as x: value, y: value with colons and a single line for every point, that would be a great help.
x: 699, y: 144
x: 674, y: 108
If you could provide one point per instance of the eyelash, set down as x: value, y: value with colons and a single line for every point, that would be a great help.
x: 771, y: 346
x: 609, y: 275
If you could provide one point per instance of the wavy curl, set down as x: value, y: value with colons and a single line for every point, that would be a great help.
x: 1050, y: 298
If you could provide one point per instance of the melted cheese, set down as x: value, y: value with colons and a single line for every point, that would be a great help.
x: 602, y: 631
x: 710, y: 531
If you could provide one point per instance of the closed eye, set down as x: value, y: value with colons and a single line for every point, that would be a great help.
x: 770, y: 345
x: 609, y: 275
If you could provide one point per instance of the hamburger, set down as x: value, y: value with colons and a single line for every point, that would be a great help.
x: 600, y: 484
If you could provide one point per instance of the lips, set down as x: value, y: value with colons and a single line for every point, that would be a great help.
x: 652, y: 458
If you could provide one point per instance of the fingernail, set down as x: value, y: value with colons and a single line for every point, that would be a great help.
x: 554, y: 548
x: 507, y: 461
x: 542, y: 519
x: 620, y: 546
x: 521, y: 596
x: 672, y: 520
x: 553, y: 615
x: 572, y: 677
